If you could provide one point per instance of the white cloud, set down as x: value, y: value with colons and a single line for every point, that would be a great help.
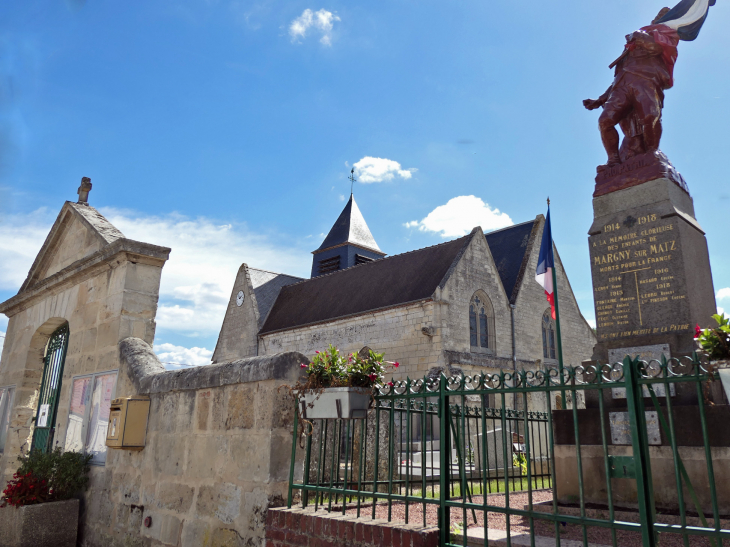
x: 720, y: 311
x: 723, y: 294
x: 197, y: 279
x: 592, y: 323
x: 175, y: 357
x: 322, y: 21
x: 21, y: 237
x: 460, y: 215
x: 371, y: 169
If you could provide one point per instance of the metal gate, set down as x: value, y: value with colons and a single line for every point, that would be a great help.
x: 45, y: 417
x: 499, y: 462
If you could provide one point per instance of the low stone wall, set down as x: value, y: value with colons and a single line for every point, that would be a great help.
x: 663, y: 477
x: 297, y: 527
x: 216, y: 457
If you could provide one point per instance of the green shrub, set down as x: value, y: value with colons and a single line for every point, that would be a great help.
x: 64, y: 473
x: 716, y: 342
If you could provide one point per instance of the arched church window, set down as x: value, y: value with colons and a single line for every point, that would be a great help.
x: 481, y: 323
x: 548, y: 335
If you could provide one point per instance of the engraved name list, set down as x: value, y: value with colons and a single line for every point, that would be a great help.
x: 638, y: 279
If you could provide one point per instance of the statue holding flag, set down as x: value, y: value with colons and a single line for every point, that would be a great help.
x: 635, y: 98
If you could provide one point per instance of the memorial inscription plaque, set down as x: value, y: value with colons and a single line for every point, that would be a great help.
x: 638, y: 277
x: 621, y: 428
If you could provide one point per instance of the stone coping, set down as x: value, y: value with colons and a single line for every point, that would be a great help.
x: 628, y: 515
x: 149, y: 375
x: 90, y: 265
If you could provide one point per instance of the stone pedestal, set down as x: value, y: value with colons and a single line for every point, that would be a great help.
x: 651, y: 270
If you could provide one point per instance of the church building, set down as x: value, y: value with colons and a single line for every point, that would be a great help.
x: 471, y: 304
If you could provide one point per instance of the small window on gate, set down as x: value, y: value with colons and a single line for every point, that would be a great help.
x: 7, y: 395
x: 88, y: 416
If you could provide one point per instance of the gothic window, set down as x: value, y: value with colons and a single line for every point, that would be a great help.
x: 548, y: 335
x: 481, y: 323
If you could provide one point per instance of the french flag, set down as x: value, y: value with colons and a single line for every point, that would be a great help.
x: 687, y: 18
x: 546, y: 263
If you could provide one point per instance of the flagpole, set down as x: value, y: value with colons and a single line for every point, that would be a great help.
x: 557, y: 320
x: 557, y: 328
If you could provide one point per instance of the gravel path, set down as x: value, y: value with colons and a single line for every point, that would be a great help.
x: 518, y: 525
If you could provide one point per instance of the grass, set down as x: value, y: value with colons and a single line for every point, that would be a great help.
x: 475, y: 488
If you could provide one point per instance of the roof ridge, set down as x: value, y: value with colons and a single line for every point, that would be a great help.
x: 378, y: 260
x: 508, y: 227
x: 275, y: 273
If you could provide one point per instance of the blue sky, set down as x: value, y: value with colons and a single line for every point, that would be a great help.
x: 226, y: 129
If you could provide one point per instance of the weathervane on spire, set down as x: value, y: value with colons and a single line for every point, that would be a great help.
x: 352, y: 179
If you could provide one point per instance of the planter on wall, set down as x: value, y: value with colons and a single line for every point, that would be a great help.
x: 54, y: 523
x: 335, y: 402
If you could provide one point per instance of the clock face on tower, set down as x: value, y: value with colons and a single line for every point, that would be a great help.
x: 239, y: 298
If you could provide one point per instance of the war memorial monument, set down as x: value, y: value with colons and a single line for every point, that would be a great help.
x: 649, y: 260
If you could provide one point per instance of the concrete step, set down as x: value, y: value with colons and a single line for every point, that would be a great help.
x: 498, y: 538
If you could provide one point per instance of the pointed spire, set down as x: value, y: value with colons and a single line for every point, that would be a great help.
x: 350, y: 227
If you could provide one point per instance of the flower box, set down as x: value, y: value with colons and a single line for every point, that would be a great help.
x: 335, y: 402
x: 52, y: 523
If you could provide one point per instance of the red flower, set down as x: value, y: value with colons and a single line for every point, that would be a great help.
x: 698, y: 331
x: 391, y: 384
x: 396, y: 364
x: 302, y: 365
x: 373, y: 377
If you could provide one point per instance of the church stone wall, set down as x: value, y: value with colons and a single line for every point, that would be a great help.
x: 395, y: 332
x: 577, y: 337
x: 475, y: 271
x: 102, y: 304
x: 237, y: 338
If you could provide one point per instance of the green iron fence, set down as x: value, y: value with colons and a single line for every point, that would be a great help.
x: 411, y: 461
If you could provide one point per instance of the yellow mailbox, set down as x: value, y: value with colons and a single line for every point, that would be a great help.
x: 128, y: 422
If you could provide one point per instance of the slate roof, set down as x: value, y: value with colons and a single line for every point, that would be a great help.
x: 509, y: 247
x: 350, y: 227
x: 379, y: 284
x: 266, y: 286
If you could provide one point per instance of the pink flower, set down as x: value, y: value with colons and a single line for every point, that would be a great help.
x: 316, y: 352
x: 698, y: 331
x: 303, y: 365
x: 396, y: 364
x: 391, y: 384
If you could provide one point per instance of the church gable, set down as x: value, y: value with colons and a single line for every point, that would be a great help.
x: 79, y: 232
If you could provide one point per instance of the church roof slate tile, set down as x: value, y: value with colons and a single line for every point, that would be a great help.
x: 266, y: 286
x: 384, y: 283
x: 509, y: 249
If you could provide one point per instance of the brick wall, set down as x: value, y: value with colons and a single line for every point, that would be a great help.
x: 304, y: 527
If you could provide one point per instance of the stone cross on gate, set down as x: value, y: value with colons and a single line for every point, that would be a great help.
x: 84, y: 190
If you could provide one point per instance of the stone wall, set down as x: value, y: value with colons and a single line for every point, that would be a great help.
x: 297, y: 527
x: 237, y: 338
x: 395, y: 332
x: 216, y: 458
x: 108, y: 295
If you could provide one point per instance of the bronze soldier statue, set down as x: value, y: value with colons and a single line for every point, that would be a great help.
x: 635, y: 99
